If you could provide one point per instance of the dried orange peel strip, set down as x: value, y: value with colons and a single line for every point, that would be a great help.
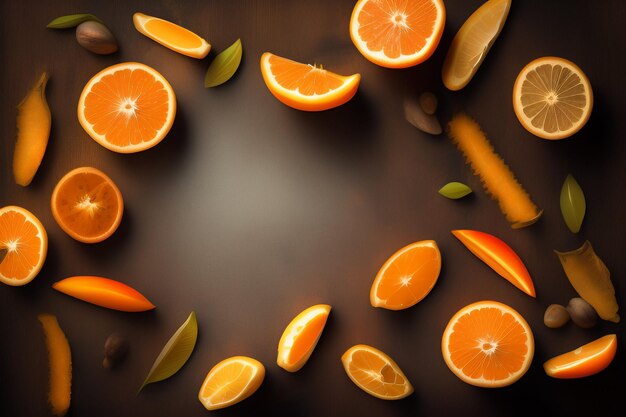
x: 60, y: 358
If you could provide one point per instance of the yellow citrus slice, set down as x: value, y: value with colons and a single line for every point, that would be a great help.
x: 172, y: 36
x: 585, y: 361
x: 231, y: 381
x: 376, y: 373
x: 472, y: 43
x: 306, y: 87
x: 488, y: 344
x: 127, y: 107
x: 24, y: 243
x: 552, y: 98
x: 301, y: 336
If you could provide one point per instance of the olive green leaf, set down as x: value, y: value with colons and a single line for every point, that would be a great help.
x: 224, y: 65
x: 175, y: 353
x: 455, y: 190
x: 71, y: 20
x: 573, y: 204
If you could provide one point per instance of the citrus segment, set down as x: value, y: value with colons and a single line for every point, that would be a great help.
x: 231, y: 381
x: 127, y: 107
x: 60, y: 365
x: 407, y: 277
x: 306, y: 87
x: 301, y: 336
x: 397, y: 33
x: 552, y: 98
x: 172, y: 36
x: 585, y: 361
x: 488, y: 344
x: 87, y: 205
x: 24, y: 242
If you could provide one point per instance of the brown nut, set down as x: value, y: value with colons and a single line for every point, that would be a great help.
x: 582, y: 313
x: 415, y: 115
x: 115, y: 348
x: 428, y: 103
x: 555, y: 316
x: 96, y: 37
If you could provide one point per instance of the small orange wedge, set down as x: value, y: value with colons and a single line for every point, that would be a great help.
x: 306, y: 87
x: 301, y: 336
x: 407, y: 277
x: 172, y: 36
x: 585, y: 361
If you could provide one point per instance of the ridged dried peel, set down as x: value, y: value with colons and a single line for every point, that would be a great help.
x: 591, y: 279
x: 499, y: 256
x: 573, y: 205
x: 497, y: 179
x: 175, y: 353
x: 455, y: 190
x: 584, y: 361
x: 224, y: 66
x: 33, y: 130
x: 60, y: 358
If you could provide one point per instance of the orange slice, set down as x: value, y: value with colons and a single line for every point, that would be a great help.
x: 488, y: 344
x: 301, y: 336
x: 407, y: 277
x: 87, y: 205
x: 306, y: 87
x: 397, y: 33
x: 24, y: 242
x: 585, y: 361
x: 231, y: 381
x: 376, y: 373
x: 127, y: 107
x: 172, y: 36
x: 552, y: 98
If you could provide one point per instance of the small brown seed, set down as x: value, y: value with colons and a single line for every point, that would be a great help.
x: 96, y: 37
x: 414, y: 114
x: 555, y: 316
x: 582, y: 313
x: 428, y: 102
x: 115, y: 349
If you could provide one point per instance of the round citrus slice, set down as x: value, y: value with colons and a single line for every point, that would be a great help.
x: 472, y: 43
x: 552, y: 98
x: 306, y: 87
x: 231, y: 381
x: 585, y: 361
x: 397, y: 33
x: 23, y: 245
x: 407, y: 277
x: 488, y: 344
x: 172, y: 36
x: 87, y: 205
x: 301, y: 336
x: 127, y: 107
x: 376, y: 373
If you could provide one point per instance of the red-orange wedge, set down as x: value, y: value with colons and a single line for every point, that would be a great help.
x: 585, y: 361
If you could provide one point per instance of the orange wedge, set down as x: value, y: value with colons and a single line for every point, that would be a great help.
x: 376, y: 373
x: 24, y: 243
x: 127, y: 107
x: 397, y: 33
x: 87, y: 205
x: 552, y: 98
x: 172, y: 36
x: 488, y: 344
x: 301, y: 336
x: 231, y: 381
x: 407, y: 277
x: 585, y: 361
x: 306, y: 87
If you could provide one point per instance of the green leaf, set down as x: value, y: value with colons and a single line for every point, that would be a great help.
x: 455, y: 190
x: 175, y: 353
x: 224, y: 65
x: 72, y: 20
x: 573, y: 205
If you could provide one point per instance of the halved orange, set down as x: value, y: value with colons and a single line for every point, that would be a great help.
x: 407, y: 277
x: 488, y: 344
x: 301, y: 336
x: 584, y: 361
x: 376, y: 373
x: 397, y: 33
x: 24, y: 241
x: 87, y: 205
x: 552, y: 98
x: 306, y: 87
x: 231, y: 381
x: 172, y: 36
x: 127, y: 107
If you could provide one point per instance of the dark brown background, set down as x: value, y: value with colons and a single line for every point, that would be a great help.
x: 250, y: 211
